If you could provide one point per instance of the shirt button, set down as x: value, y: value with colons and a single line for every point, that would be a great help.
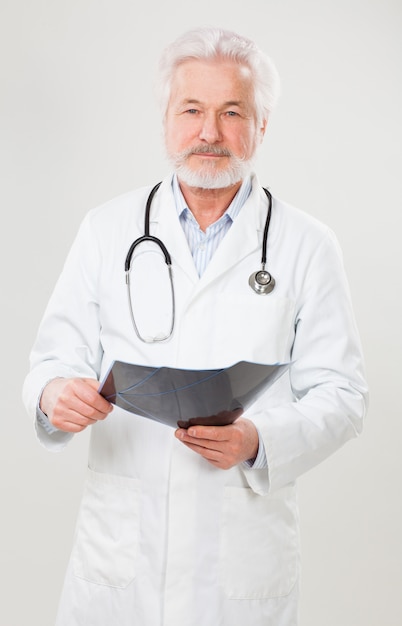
x: 201, y: 247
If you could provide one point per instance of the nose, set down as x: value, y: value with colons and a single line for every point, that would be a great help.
x: 210, y: 129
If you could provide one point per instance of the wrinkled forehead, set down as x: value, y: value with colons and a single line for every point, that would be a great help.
x: 216, y: 80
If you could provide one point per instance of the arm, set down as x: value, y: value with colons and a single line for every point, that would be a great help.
x: 326, y: 378
x: 68, y: 342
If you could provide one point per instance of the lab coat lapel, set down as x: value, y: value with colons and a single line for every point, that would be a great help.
x: 243, y: 237
x: 165, y: 224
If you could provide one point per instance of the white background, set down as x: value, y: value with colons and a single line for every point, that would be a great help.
x: 79, y: 126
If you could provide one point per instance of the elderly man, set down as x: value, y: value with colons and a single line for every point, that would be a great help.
x: 165, y: 536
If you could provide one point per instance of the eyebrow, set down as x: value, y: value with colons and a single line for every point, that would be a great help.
x: 237, y: 103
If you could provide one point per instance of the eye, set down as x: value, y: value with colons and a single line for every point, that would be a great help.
x: 192, y: 111
x: 231, y: 113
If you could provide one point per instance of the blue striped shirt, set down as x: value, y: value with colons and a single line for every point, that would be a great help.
x: 204, y: 244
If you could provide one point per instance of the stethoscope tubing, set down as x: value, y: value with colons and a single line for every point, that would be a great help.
x: 266, y: 229
x: 261, y: 281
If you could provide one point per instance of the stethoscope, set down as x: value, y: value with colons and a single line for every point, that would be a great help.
x: 260, y: 281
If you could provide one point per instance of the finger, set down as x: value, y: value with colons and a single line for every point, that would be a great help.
x: 69, y: 425
x: 216, y: 457
x: 210, y: 454
x: 209, y: 449
x: 64, y: 417
x: 87, y: 390
x: 208, y: 433
x: 185, y: 437
x: 72, y: 407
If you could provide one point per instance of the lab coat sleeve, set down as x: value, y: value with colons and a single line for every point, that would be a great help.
x: 326, y: 378
x: 67, y: 344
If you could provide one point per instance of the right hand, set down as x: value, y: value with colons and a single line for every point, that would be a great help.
x: 72, y: 404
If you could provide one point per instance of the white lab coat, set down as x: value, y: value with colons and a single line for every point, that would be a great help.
x: 164, y: 538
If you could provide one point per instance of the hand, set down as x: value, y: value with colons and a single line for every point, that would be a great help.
x: 72, y: 404
x: 223, y: 446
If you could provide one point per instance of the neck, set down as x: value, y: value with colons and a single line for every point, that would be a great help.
x: 208, y: 205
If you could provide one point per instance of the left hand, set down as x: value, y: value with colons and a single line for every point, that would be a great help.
x: 223, y: 446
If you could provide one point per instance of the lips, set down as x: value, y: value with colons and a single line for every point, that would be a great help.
x: 209, y: 155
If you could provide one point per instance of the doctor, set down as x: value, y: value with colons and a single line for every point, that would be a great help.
x: 198, y: 527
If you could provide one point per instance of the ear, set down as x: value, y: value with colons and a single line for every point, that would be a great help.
x: 263, y: 128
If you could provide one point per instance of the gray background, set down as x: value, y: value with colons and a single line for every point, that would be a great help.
x: 79, y: 125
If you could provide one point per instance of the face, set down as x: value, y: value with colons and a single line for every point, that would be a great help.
x: 211, y: 132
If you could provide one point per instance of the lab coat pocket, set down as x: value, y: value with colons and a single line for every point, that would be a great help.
x: 260, y: 543
x: 262, y: 326
x: 107, y: 530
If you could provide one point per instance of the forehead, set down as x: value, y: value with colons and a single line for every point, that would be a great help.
x: 217, y: 80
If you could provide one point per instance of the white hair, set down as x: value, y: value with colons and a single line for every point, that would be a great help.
x: 213, y: 43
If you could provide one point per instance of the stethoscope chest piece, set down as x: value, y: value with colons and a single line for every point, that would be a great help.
x: 261, y: 282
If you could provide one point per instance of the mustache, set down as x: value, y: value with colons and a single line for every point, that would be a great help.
x: 205, y: 149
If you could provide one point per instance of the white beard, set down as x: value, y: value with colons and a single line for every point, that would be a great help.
x: 207, y: 177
